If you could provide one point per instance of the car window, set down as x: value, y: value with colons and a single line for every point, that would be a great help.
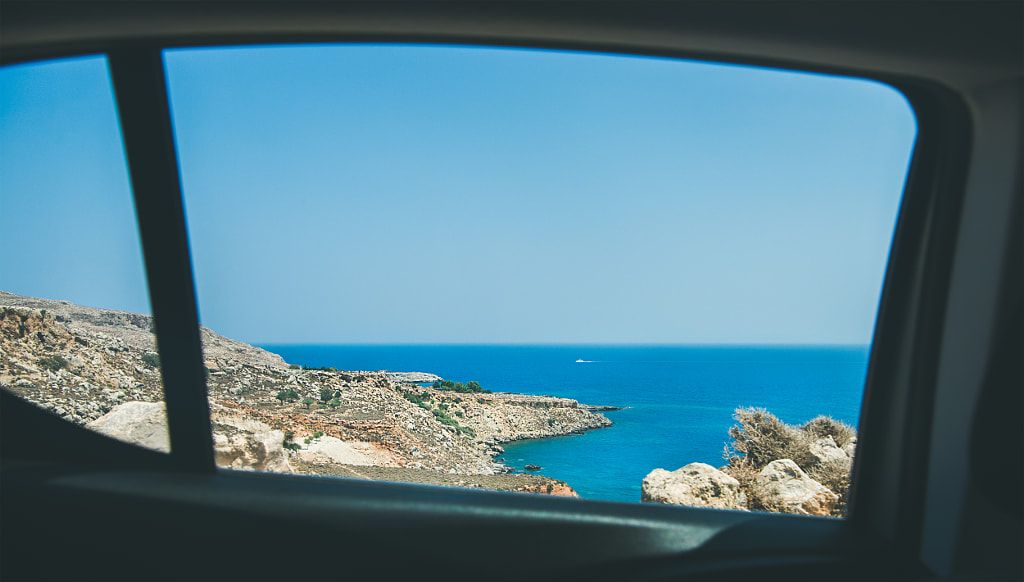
x: 538, y: 271
x: 76, y: 335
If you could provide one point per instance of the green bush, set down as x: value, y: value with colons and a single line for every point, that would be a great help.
x: 415, y: 398
x: 150, y: 359
x: 326, y: 394
x: 317, y: 434
x: 320, y: 369
x: 307, y: 402
x: 469, y: 388
x: 446, y: 420
x: 290, y: 395
x: 288, y: 444
x: 52, y: 363
x: 294, y: 367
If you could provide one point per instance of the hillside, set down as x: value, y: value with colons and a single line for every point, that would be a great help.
x: 99, y: 368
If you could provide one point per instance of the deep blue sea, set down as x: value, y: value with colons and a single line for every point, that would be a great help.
x: 680, y: 399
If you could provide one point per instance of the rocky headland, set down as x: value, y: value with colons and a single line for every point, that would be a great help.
x: 100, y: 368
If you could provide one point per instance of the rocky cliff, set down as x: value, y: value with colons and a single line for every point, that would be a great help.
x: 99, y: 368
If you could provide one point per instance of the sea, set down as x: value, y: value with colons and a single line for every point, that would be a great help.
x: 678, y: 401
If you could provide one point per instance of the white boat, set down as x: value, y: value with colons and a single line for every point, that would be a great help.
x: 581, y: 361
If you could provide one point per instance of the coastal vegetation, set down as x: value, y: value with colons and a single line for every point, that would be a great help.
x: 760, y: 437
x: 471, y: 387
x: 441, y: 413
x: 152, y: 360
x: 52, y: 363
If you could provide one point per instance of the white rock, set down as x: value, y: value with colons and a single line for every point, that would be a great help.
x: 262, y: 451
x: 782, y: 486
x: 138, y: 423
x: 696, y: 484
x: 825, y: 451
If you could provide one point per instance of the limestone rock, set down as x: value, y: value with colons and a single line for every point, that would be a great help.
x: 138, y: 423
x: 357, y: 453
x: 251, y: 451
x: 824, y: 451
x: 413, y: 377
x: 696, y: 484
x: 782, y: 486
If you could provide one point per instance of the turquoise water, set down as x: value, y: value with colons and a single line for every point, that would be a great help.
x: 680, y: 399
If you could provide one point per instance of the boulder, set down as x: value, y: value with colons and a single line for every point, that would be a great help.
x: 782, y: 486
x: 262, y: 451
x: 532, y: 467
x: 138, y: 423
x: 824, y: 451
x: 696, y: 484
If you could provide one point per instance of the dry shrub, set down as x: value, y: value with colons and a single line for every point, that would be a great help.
x: 823, y: 426
x: 836, y: 476
x: 759, y: 438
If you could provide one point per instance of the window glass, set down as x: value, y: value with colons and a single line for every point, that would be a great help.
x: 461, y: 259
x: 76, y: 337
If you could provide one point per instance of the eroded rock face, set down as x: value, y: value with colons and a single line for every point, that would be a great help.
x: 696, y: 485
x: 333, y: 450
x: 782, y: 486
x: 138, y: 423
x: 413, y: 377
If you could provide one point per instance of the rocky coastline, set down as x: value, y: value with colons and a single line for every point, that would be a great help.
x: 99, y: 368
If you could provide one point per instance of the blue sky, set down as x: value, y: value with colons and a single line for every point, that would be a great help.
x: 402, y: 194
